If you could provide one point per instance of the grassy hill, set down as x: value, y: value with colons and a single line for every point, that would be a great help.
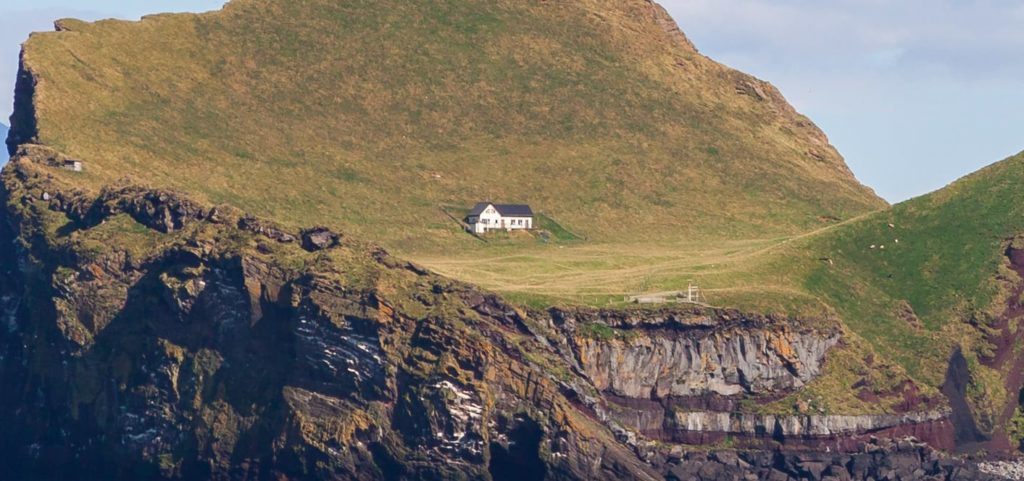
x: 933, y: 273
x: 368, y: 116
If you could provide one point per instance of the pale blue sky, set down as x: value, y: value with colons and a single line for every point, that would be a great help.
x: 914, y: 93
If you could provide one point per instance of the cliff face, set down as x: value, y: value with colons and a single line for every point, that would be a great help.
x: 697, y: 378
x: 738, y: 360
x: 878, y: 460
x: 23, y: 119
x: 149, y: 335
x: 146, y: 335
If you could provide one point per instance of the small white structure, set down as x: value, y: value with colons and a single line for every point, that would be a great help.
x: 692, y: 295
x: 487, y: 216
x: 72, y: 165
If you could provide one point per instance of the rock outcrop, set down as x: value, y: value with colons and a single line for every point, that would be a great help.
x: 744, y: 359
x: 683, y: 376
x: 319, y: 238
x: 838, y: 432
x: 879, y: 459
x: 23, y: 128
x: 147, y: 336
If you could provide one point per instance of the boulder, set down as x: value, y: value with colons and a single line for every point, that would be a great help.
x: 319, y: 238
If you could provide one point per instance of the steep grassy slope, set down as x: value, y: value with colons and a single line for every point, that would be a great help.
x: 368, y: 115
x: 935, y: 272
x: 943, y: 256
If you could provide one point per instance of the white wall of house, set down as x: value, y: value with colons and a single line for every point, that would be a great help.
x: 518, y: 222
x: 490, y: 219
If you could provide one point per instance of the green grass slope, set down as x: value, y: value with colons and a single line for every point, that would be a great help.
x: 368, y: 115
x: 911, y: 284
x: 943, y: 255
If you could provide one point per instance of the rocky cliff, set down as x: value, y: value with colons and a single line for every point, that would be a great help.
x: 150, y: 336
x: 740, y: 359
x: 905, y: 460
x: 147, y: 335
x: 698, y: 377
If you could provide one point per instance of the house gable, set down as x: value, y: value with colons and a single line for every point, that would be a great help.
x: 479, y: 208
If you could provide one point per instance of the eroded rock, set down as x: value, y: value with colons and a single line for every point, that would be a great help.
x: 319, y: 238
x: 660, y: 364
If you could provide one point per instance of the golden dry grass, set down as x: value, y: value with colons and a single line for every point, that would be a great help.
x: 367, y: 116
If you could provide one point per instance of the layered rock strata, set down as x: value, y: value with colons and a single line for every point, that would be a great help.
x: 744, y: 359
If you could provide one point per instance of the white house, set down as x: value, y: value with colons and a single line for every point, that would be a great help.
x: 486, y: 216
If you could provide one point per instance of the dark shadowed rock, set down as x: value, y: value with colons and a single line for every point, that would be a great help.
x: 906, y: 460
x: 266, y: 229
x: 319, y: 238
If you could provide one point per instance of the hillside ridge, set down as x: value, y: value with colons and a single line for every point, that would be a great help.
x: 631, y: 109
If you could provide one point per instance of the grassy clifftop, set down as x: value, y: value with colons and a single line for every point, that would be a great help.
x: 918, y: 276
x: 368, y: 115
